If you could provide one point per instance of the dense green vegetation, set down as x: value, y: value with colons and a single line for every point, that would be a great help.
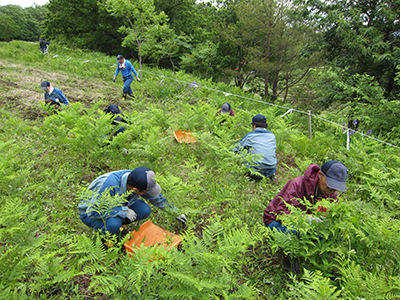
x: 21, y: 23
x: 318, y: 55
x: 226, y: 253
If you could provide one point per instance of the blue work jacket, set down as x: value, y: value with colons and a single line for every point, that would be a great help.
x: 262, y: 143
x: 57, y: 96
x: 117, y: 182
x: 125, y: 71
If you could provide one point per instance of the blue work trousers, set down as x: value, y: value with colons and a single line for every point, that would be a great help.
x: 140, y: 207
x: 127, y: 84
x: 279, y: 227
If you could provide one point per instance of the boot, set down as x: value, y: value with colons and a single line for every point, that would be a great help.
x: 131, y: 96
x: 124, y: 96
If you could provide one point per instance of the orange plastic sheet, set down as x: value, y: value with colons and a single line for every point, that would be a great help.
x: 183, y: 136
x: 150, y: 234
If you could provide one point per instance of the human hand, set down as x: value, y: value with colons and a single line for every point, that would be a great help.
x: 317, y: 220
x: 114, y: 78
x: 137, y: 78
x: 182, y: 218
x: 130, y: 216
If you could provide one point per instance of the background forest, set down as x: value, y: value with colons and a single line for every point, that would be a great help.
x: 335, y: 58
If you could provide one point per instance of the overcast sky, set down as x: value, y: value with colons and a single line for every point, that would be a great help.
x: 23, y: 3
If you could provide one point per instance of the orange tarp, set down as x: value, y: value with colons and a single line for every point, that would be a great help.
x: 150, y: 234
x: 183, y: 136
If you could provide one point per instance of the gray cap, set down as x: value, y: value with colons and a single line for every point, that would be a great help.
x: 119, y: 56
x: 336, y: 175
x: 226, y: 108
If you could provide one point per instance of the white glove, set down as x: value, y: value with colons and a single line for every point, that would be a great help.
x: 114, y: 78
x: 317, y: 220
x: 130, y: 216
x: 182, y: 218
x: 137, y: 78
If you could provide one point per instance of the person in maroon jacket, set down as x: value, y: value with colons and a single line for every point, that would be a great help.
x: 226, y: 109
x: 316, y: 183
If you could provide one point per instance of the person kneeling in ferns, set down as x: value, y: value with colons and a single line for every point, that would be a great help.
x: 130, y: 184
x: 53, y: 96
x: 317, y: 183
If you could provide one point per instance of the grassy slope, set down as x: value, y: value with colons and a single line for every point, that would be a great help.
x: 48, y: 161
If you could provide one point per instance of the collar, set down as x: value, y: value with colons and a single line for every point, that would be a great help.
x: 124, y: 181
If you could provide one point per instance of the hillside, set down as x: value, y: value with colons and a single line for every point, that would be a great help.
x: 48, y: 161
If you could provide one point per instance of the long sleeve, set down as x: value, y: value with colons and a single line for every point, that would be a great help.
x: 160, y: 201
x: 57, y: 96
x: 241, y: 144
x: 62, y: 97
x: 116, y: 70
x: 130, y: 67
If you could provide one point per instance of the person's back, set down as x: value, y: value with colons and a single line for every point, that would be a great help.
x: 43, y: 45
x: 262, y: 143
x: 117, y: 120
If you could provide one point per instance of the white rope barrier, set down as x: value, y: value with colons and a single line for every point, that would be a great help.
x: 291, y: 110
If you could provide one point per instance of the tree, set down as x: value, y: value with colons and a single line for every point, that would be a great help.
x: 84, y: 24
x: 163, y: 43
x: 8, y: 28
x: 363, y: 35
x: 29, y: 27
x: 142, y: 21
x: 200, y: 60
x: 270, y: 38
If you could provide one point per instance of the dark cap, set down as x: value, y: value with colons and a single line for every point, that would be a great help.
x: 336, y: 175
x: 143, y: 178
x: 225, y: 108
x: 259, y: 119
x: 114, y: 109
x: 119, y: 56
x: 44, y: 85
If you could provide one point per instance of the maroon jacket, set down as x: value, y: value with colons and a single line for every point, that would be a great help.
x: 299, y: 187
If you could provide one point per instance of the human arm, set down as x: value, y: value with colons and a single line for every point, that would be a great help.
x: 131, y: 67
x: 243, y: 143
x: 61, y: 97
x: 50, y: 98
x: 161, y: 202
x: 116, y: 71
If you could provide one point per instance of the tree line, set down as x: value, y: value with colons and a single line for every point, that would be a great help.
x: 316, y: 54
x: 17, y: 23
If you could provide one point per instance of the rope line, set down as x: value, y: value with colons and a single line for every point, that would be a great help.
x: 239, y: 96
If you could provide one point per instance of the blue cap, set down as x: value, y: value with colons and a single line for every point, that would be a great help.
x: 259, y: 119
x: 114, y: 109
x: 44, y: 85
x: 336, y: 175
